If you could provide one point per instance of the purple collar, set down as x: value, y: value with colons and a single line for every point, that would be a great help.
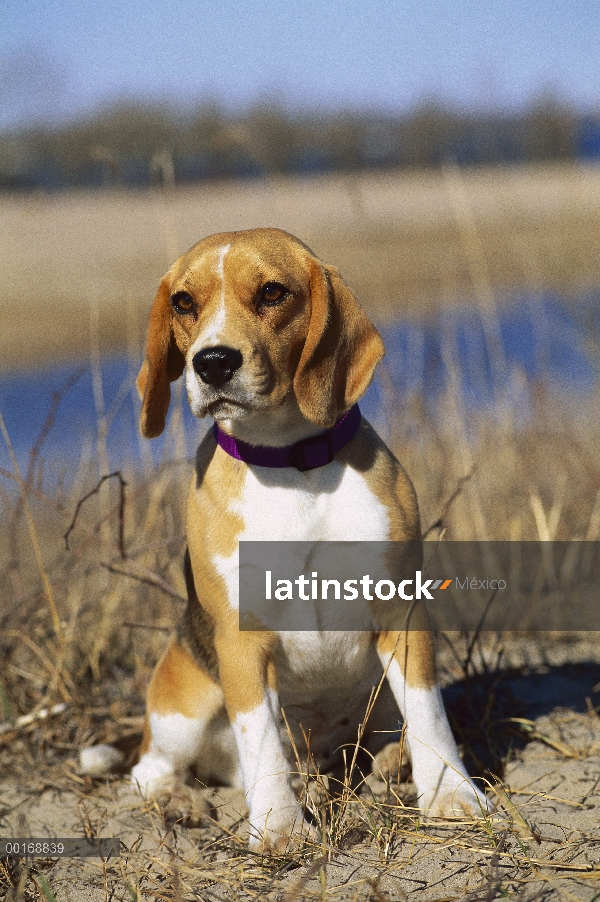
x: 307, y: 454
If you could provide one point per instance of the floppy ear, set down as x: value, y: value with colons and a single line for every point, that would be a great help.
x: 163, y: 364
x: 340, y: 353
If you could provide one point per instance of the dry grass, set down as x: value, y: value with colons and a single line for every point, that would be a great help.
x: 119, y: 591
x: 397, y: 239
x: 82, y: 629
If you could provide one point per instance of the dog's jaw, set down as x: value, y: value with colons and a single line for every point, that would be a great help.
x: 250, y: 417
x: 274, y: 427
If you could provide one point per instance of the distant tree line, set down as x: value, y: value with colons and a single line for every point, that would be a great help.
x: 141, y: 145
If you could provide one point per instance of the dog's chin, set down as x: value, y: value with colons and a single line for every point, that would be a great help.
x: 226, y: 409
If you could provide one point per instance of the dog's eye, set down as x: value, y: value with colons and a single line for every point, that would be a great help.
x: 272, y: 293
x: 182, y: 303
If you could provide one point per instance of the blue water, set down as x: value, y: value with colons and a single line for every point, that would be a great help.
x: 541, y: 339
x: 537, y: 340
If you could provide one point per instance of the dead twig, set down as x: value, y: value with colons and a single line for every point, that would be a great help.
x: 121, y: 542
x: 145, y: 575
x: 156, y: 627
x: 437, y: 524
x: 476, y: 634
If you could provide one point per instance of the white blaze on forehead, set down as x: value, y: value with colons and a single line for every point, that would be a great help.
x: 221, y: 269
x: 211, y: 335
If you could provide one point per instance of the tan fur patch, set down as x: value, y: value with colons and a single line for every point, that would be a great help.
x: 341, y: 350
x: 244, y: 668
x: 179, y: 686
x: 163, y: 364
x: 213, y: 530
x: 415, y: 652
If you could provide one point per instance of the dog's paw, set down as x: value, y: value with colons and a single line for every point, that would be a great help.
x: 154, y: 774
x: 392, y: 763
x: 179, y: 803
x: 284, y: 830
x: 456, y: 796
x: 182, y: 805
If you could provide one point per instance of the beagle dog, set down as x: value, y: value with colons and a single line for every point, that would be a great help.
x: 276, y: 349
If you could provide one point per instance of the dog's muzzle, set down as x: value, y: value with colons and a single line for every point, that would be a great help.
x: 216, y: 366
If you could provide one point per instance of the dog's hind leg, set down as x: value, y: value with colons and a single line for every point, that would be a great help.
x: 184, y: 702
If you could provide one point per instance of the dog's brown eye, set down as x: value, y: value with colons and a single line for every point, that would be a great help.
x: 183, y: 303
x: 273, y: 293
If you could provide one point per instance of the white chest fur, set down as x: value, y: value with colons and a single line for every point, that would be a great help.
x: 332, y: 503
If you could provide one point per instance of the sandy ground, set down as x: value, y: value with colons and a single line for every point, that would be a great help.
x: 542, y: 842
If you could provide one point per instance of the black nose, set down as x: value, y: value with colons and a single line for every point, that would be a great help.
x: 216, y: 366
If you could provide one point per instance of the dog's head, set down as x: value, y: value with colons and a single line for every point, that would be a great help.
x: 258, y: 321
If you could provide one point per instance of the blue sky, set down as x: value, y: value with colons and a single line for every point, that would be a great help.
x: 62, y: 57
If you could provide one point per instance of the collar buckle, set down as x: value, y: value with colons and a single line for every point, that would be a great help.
x: 311, y: 453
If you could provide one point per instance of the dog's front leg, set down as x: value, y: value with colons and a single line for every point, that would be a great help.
x: 249, y: 683
x: 443, y: 785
